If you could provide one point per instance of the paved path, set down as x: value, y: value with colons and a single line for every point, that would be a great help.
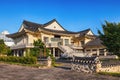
x: 14, y: 72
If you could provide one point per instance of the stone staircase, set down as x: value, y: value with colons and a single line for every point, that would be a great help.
x: 69, y: 52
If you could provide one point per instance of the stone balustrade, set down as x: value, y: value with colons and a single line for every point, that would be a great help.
x: 85, y: 64
x: 93, y: 64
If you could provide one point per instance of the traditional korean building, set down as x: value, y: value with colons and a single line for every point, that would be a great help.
x: 59, y: 40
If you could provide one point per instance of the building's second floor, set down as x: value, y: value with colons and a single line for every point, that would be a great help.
x: 51, y: 33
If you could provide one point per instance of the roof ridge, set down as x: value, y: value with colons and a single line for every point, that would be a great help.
x: 84, y: 30
x: 52, y: 22
x: 47, y: 23
x: 31, y: 22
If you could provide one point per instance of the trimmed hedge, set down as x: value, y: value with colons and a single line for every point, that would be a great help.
x: 22, y: 60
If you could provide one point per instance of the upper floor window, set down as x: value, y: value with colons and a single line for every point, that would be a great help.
x: 46, y: 39
x: 57, y: 36
x: 66, y: 41
x: 82, y: 43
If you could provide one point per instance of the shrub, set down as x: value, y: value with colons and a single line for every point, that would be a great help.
x: 22, y: 60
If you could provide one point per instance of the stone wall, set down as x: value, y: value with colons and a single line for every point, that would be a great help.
x: 110, y: 68
x: 45, y: 61
x: 93, y: 64
x: 85, y: 64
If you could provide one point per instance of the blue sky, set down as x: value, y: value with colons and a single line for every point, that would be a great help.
x: 73, y: 15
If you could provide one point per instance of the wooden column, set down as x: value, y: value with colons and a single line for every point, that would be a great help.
x: 17, y: 53
x: 53, y: 52
x: 98, y: 52
x: 105, y: 53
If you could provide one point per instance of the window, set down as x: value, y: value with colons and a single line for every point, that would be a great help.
x: 46, y: 39
x: 57, y: 36
x: 82, y: 43
x: 66, y: 42
x: 101, y: 51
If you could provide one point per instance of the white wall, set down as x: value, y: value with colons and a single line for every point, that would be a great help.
x: 54, y: 26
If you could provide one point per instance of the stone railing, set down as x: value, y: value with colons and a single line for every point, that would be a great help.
x: 110, y: 68
x: 75, y: 47
x: 29, y: 45
x: 110, y: 65
x: 52, y: 44
x: 61, y: 48
x: 85, y: 64
x: 93, y: 64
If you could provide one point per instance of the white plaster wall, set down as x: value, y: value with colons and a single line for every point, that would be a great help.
x: 31, y: 38
x: 21, y: 40
x: 46, y: 35
x: 64, y: 37
x: 54, y: 26
x: 87, y: 40
x: 90, y: 33
x: 21, y: 28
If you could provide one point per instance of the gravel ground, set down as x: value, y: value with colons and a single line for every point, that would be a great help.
x: 15, y: 72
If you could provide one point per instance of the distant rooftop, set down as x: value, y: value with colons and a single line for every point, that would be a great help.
x: 8, y: 41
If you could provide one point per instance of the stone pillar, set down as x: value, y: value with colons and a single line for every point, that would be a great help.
x: 17, y: 53
x: 49, y: 62
x: 53, y: 52
x: 14, y: 53
x: 98, y: 66
x: 97, y: 52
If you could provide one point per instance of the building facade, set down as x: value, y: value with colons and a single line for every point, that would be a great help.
x: 60, y: 41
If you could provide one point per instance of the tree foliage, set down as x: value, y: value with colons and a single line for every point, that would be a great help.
x: 4, y: 50
x: 39, y: 50
x: 111, y: 37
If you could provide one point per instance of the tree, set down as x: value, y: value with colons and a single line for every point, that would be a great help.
x: 39, y: 50
x: 111, y: 37
x: 4, y: 50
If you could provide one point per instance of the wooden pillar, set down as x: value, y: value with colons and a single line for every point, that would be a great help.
x: 14, y: 53
x: 53, y: 52
x: 24, y: 53
x: 98, y: 52
x: 105, y: 53
x: 17, y: 53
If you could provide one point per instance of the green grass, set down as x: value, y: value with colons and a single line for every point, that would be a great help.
x: 110, y: 74
x: 57, y: 64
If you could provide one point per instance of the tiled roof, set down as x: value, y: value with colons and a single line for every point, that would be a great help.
x: 31, y: 25
x: 35, y: 27
x: 85, y: 58
x: 50, y: 22
x: 95, y: 42
x: 16, y: 34
x: 83, y: 32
